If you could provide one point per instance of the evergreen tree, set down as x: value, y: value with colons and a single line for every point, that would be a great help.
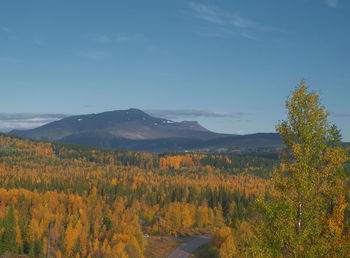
x: 9, y: 236
x: 303, y: 214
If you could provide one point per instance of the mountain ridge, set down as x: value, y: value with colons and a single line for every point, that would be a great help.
x: 135, y: 130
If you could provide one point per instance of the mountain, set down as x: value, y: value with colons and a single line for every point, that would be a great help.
x: 135, y: 130
x: 129, y: 124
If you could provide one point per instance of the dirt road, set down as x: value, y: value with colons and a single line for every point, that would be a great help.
x: 186, y: 249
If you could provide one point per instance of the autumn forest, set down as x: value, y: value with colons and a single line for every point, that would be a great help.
x: 63, y: 200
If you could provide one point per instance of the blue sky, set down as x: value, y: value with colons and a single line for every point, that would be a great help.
x: 228, y: 64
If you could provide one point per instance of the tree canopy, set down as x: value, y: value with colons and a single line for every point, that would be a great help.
x: 303, y: 213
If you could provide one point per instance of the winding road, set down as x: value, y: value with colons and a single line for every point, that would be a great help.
x: 191, y: 244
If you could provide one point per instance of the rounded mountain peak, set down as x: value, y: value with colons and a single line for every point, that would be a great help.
x: 124, y: 115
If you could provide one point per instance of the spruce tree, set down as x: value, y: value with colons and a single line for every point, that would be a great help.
x: 9, y: 236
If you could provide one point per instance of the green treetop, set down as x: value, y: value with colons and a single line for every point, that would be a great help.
x: 304, y: 212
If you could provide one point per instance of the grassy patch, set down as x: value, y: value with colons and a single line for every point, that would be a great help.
x: 160, y: 247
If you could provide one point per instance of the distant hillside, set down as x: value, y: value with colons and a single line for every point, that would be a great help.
x: 135, y: 130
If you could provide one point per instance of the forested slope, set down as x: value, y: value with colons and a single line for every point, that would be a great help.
x: 78, y: 201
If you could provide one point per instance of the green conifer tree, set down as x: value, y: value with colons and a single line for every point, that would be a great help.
x: 9, y: 236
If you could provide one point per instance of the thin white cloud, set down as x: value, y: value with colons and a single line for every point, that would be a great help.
x: 105, y: 39
x: 211, y: 34
x: 10, y: 121
x: 238, y: 21
x: 332, y: 3
x: 224, y: 22
x: 250, y: 36
x: 192, y: 113
x: 226, y: 33
x: 220, y: 32
x: 215, y: 15
x: 208, y: 13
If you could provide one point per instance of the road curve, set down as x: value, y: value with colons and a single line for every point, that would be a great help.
x: 187, y: 248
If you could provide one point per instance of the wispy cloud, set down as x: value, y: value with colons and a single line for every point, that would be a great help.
x: 250, y: 36
x: 10, y: 121
x: 209, y: 13
x: 238, y: 21
x: 332, y: 3
x: 112, y: 39
x: 119, y: 38
x: 211, y: 34
x: 228, y: 23
x: 95, y: 55
x: 192, y: 113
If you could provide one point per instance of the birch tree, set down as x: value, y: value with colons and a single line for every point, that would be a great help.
x: 303, y: 214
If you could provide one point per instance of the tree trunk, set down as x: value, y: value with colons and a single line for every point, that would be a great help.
x: 299, y: 216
